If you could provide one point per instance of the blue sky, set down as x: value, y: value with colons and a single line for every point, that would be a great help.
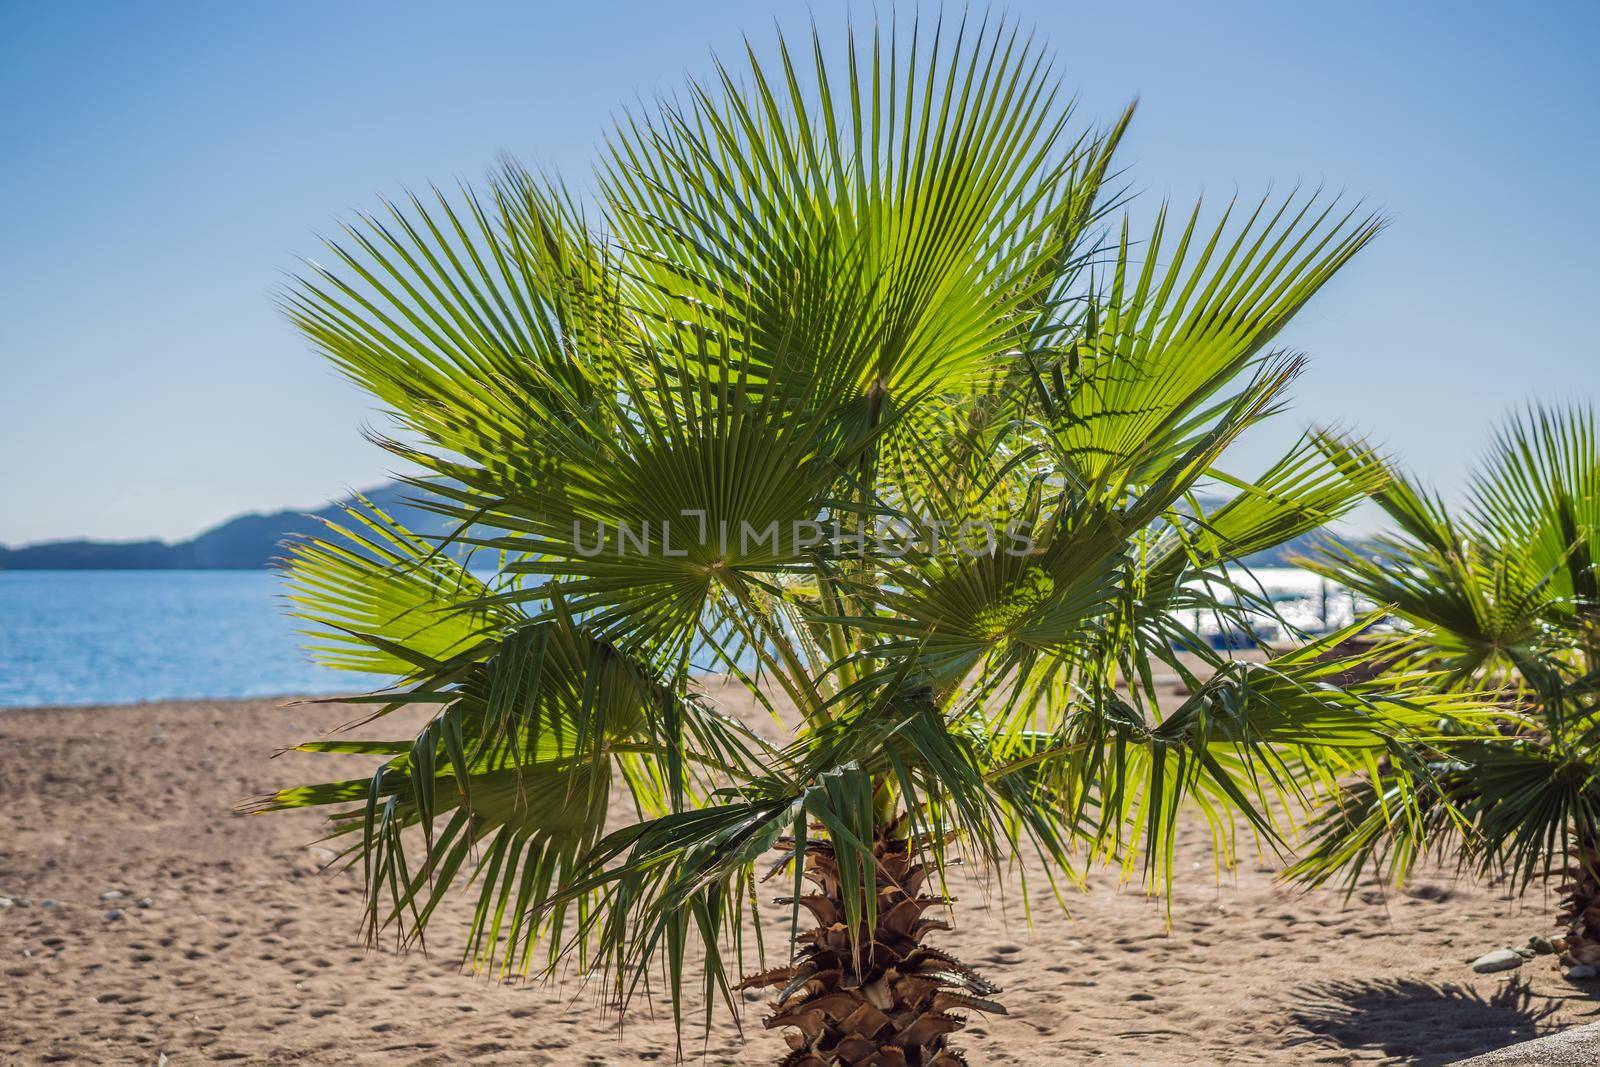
x: 164, y: 164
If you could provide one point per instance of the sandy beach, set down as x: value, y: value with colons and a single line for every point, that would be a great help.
x: 226, y: 943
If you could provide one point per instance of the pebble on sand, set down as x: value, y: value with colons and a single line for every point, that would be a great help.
x: 111, y: 894
x: 113, y: 915
x: 1581, y: 970
x: 1501, y: 959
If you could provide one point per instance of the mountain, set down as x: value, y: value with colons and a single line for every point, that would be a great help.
x: 1296, y: 548
x: 253, y: 541
x: 245, y: 543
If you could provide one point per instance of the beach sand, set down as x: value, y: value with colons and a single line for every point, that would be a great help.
x: 245, y: 952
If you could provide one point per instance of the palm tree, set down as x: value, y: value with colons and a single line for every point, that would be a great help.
x: 1500, y: 595
x: 848, y: 386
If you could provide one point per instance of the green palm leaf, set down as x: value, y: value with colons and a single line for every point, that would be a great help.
x: 832, y: 296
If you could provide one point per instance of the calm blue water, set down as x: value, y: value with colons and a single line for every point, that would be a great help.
x: 104, y: 637
x: 114, y: 637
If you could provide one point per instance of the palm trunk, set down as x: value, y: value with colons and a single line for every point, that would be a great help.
x: 1580, y: 904
x: 895, y: 1008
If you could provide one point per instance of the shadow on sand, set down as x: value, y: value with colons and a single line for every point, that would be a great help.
x: 1415, y: 1022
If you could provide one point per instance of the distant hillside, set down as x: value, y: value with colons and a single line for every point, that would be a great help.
x: 245, y: 543
x: 252, y: 541
x: 1300, y: 547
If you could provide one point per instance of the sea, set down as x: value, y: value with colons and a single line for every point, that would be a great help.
x: 118, y: 637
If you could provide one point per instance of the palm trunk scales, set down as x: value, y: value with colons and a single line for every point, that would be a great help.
x: 899, y: 1006
x: 1580, y: 904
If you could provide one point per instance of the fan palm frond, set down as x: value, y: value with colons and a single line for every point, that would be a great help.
x: 850, y: 386
x: 1498, y: 596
